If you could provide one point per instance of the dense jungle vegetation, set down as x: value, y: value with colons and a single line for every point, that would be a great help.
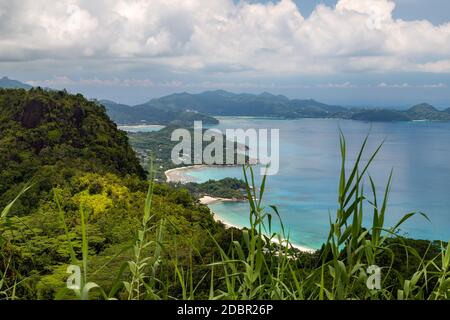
x: 72, y: 192
x: 65, y: 147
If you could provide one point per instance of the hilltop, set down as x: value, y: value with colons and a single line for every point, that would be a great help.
x: 124, y: 114
x: 423, y: 111
x: 7, y: 83
x: 223, y: 103
x: 57, y: 131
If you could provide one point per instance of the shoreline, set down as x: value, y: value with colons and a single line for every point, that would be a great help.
x: 207, y: 200
x: 176, y: 175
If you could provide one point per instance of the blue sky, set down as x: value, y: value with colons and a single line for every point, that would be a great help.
x: 436, y: 11
x: 348, y: 52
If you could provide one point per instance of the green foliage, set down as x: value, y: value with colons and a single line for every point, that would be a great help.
x: 50, y: 136
x: 49, y: 285
x: 138, y: 239
x: 77, y: 160
x: 230, y: 188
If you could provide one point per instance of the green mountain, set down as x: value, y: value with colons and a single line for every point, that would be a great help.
x: 223, y: 103
x: 76, y: 160
x: 124, y: 114
x: 182, y: 109
x: 7, y: 83
x: 422, y: 111
x: 422, y: 108
x: 42, y: 133
x: 425, y: 111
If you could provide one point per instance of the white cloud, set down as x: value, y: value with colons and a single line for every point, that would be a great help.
x: 343, y: 85
x: 439, y: 85
x: 56, y: 81
x: 222, y: 36
x: 64, y: 81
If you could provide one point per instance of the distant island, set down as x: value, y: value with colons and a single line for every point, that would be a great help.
x: 182, y: 109
x: 223, y: 103
x: 147, y: 114
x: 418, y: 112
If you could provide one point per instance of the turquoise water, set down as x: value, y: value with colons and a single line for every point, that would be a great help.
x: 305, y: 189
x: 142, y: 128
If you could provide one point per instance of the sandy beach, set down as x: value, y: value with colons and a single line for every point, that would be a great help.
x: 206, y: 200
x: 178, y: 175
x: 210, y: 200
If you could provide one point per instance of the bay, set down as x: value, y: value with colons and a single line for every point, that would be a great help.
x: 305, y: 189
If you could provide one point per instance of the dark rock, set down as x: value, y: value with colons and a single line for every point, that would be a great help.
x: 78, y: 116
x: 33, y: 113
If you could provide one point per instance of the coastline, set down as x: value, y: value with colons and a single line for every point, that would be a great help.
x: 207, y: 200
x: 176, y: 175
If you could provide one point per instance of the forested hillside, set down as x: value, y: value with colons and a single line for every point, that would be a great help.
x: 223, y: 103
x: 85, y: 200
x: 46, y: 136
x: 74, y: 158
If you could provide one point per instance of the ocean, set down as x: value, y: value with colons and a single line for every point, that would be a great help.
x: 305, y: 189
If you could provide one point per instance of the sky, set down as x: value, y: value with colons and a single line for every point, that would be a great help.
x: 349, y: 52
